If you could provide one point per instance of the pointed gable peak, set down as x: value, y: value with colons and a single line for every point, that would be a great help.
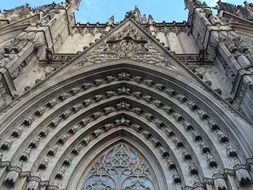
x: 128, y: 31
x: 128, y: 41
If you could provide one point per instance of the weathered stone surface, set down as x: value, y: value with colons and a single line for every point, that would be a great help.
x: 129, y: 105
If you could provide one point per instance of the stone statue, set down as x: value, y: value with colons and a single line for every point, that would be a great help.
x: 49, y: 56
x: 201, y: 56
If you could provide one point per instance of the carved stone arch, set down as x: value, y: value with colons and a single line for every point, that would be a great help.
x: 123, y: 135
x: 157, y: 98
x: 56, y: 164
x: 183, y: 83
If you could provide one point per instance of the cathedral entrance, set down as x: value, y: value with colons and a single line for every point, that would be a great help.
x: 124, y: 113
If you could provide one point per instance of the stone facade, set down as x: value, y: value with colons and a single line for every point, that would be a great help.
x: 126, y: 105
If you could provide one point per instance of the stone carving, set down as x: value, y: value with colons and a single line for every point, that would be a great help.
x: 123, y: 105
x: 135, y: 14
x: 54, y: 123
x: 87, y: 85
x: 193, y: 59
x: 62, y: 57
x: 121, y: 167
x: 110, y: 78
x: 63, y: 96
x: 204, y: 147
x: 77, y: 107
x: 124, y: 76
x: 228, y: 71
x: 123, y: 91
x: 85, y: 121
x: 33, y: 184
x: 111, y: 20
x: 166, y: 113
x: 60, y: 173
x: 96, y: 133
x: 24, y: 157
x: 219, y: 182
x: 242, y: 174
x: 127, y: 43
x: 5, y: 97
x: 99, y: 97
x: 34, y: 143
x: 44, y: 163
x: 17, y: 13
x: 49, y: 56
x: 231, y: 151
x: 240, y: 51
x: 53, y: 150
x: 211, y: 161
x: 13, y: 175
x: 98, y: 82
x: 47, y: 12
x: 245, y: 11
x: 18, y: 43
x: 196, y: 3
x: 5, y: 58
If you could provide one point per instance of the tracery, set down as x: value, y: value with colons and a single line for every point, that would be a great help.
x: 119, y: 168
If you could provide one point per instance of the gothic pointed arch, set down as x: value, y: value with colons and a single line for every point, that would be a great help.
x: 50, y: 133
x: 134, y: 105
x: 120, y: 167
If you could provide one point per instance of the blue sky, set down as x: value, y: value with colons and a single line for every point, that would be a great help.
x: 101, y: 10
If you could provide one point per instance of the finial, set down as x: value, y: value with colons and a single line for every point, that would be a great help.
x: 136, y: 8
x: 144, y: 18
x: 111, y: 20
x: 150, y: 19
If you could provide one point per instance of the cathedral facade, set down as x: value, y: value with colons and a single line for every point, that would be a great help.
x: 130, y: 105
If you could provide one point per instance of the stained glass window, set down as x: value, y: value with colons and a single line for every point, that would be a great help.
x: 120, y: 168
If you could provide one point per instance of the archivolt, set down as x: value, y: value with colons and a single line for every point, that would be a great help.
x: 48, y: 136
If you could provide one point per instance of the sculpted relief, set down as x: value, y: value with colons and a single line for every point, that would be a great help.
x: 121, y: 167
x: 127, y: 43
